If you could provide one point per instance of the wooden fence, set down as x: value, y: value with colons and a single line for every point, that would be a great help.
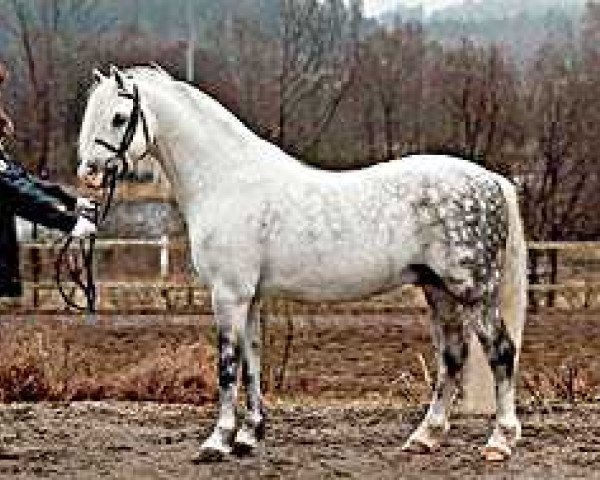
x: 163, y: 288
x: 564, y: 276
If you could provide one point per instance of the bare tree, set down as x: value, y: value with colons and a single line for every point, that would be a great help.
x: 561, y: 178
x: 47, y: 32
x: 480, y: 95
x: 562, y: 174
x: 255, y: 58
x: 391, y: 69
x: 318, y: 43
x: 591, y: 35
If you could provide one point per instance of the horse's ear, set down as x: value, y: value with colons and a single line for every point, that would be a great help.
x: 98, y: 77
x: 116, y: 73
x: 158, y: 68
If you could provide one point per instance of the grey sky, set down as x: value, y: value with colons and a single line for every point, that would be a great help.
x: 374, y: 7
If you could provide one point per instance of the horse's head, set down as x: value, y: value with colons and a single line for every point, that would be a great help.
x: 117, y: 128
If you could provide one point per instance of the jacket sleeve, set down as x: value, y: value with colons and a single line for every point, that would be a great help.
x: 26, y: 199
x: 55, y: 191
x: 6, y: 126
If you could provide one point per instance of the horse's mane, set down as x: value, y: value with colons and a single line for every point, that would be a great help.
x: 153, y: 71
x: 202, y: 103
x: 145, y: 72
x: 192, y: 96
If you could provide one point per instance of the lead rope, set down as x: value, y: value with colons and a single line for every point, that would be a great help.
x: 75, y: 271
x: 81, y: 273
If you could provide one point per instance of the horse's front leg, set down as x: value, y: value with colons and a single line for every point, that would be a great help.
x: 252, y: 431
x: 230, y: 314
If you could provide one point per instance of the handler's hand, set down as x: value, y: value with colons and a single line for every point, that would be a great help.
x: 84, y: 203
x: 83, y: 228
x: 87, y: 208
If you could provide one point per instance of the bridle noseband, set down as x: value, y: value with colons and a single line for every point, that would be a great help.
x: 80, y: 270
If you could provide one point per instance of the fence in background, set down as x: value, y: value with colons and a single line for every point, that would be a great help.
x: 565, y: 276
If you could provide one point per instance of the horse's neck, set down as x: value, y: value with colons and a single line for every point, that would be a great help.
x: 200, y: 145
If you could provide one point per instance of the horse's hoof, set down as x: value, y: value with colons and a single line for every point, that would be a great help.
x: 427, y: 437
x: 245, y: 442
x: 498, y: 447
x: 495, y: 453
x: 417, y: 445
x: 214, y: 448
x: 211, y: 455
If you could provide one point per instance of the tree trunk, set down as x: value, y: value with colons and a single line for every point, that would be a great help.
x: 388, y: 128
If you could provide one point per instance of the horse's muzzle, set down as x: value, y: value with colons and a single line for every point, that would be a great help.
x: 94, y: 179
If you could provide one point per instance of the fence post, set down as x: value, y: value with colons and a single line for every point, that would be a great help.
x: 164, y: 257
x: 533, y: 279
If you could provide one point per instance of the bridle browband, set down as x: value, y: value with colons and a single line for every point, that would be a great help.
x: 80, y: 270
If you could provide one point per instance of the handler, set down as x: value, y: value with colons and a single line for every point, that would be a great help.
x: 26, y: 196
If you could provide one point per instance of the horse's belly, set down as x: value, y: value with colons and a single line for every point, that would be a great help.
x: 338, y: 277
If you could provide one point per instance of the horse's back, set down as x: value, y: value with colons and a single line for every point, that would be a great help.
x: 413, y: 169
x: 431, y: 166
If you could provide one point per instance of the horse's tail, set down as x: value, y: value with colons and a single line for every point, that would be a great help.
x: 514, y: 278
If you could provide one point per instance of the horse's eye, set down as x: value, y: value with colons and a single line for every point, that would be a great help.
x: 119, y: 120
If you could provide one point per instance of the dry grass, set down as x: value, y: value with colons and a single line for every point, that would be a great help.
x: 345, y: 358
x: 52, y: 362
x: 180, y: 375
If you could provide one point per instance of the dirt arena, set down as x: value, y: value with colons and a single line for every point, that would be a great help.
x: 353, y: 391
x: 150, y: 441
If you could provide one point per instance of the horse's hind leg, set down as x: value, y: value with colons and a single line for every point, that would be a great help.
x: 503, y: 359
x: 252, y: 429
x: 450, y: 341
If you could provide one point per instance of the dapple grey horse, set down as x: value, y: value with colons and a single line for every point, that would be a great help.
x: 261, y: 222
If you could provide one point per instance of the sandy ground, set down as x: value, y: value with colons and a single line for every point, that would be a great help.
x: 149, y: 441
x: 343, y: 412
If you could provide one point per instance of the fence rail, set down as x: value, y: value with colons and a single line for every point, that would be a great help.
x: 170, y: 292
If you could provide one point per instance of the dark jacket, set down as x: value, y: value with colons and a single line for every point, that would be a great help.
x: 23, y: 195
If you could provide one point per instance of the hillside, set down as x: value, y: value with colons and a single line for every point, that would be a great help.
x: 520, y: 26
